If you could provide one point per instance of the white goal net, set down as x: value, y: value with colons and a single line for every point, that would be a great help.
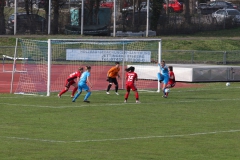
x: 50, y: 62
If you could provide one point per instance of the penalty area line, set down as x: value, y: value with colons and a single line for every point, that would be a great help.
x: 121, y: 139
x: 71, y: 106
x: 117, y: 104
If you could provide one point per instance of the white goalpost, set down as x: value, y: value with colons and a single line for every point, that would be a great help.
x: 50, y: 62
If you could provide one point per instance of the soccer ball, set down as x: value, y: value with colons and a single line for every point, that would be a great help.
x: 227, y: 84
x: 167, y: 90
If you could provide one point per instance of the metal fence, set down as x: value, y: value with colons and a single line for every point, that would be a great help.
x: 201, y: 57
x: 170, y: 56
x: 174, y: 23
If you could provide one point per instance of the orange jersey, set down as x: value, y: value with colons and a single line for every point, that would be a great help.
x: 113, y: 72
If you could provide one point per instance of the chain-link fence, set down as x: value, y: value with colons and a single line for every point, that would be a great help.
x: 172, y: 23
x: 170, y: 56
x: 201, y: 57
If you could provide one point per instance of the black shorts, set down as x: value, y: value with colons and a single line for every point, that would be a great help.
x: 113, y: 80
x: 171, y: 85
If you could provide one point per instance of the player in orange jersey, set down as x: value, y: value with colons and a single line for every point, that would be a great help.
x: 71, y: 81
x: 112, y: 75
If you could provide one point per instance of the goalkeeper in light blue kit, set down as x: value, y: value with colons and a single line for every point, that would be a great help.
x: 163, y: 76
x: 82, y: 85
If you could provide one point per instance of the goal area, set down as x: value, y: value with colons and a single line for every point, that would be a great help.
x: 48, y: 63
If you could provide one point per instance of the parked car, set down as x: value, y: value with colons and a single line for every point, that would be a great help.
x: 110, y: 3
x: 42, y: 3
x: 32, y: 22
x: 35, y: 3
x: 21, y: 3
x: 107, y: 3
x: 200, y: 5
x: 214, y: 6
x: 39, y: 4
x: 227, y: 16
x: 173, y: 6
x: 142, y: 7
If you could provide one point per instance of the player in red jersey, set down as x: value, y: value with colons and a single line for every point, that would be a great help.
x: 171, y: 83
x: 71, y: 81
x: 131, y: 77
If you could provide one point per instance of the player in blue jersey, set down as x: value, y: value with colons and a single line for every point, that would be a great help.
x: 82, y: 85
x: 163, y: 76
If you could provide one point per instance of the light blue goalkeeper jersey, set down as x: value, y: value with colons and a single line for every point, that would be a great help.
x: 83, y: 78
x: 164, y: 70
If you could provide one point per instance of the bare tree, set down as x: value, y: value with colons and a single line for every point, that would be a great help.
x: 2, y: 19
x: 55, y: 5
x: 157, y: 7
x: 187, y: 15
x: 93, y: 7
x: 97, y: 5
x: 136, y: 11
x: 27, y: 6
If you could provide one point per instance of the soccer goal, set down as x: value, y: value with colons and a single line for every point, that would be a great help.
x: 50, y: 62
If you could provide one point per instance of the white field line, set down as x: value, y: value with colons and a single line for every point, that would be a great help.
x: 192, y: 89
x: 115, y: 104
x: 120, y: 104
x: 69, y: 106
x: 121, y: 139
x: 144, y: 91
x: 9, y: 97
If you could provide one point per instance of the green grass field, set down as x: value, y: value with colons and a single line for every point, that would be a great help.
x: 200, y: 123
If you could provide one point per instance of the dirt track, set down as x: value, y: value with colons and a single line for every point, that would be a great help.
x: 99, y: 82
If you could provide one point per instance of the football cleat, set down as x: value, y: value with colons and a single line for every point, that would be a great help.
x: 116, y: 93
x: 138, y: 101
x: 59, y: 96
x: 125, y: 101
x: 86, y: 101
x: 107, y: 92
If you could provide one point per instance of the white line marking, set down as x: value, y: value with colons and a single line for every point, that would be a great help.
x: 69, y: 106
x: 121, y: 139
x: 116, y: 104
x: 8, y: 97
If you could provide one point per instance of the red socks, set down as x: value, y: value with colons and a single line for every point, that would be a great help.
x: 74, y: 91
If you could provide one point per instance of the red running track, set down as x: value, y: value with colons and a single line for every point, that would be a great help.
x: 99, y: 83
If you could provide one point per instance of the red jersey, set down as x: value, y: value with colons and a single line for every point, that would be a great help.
x: 171, y: 81
x: 74, y: 75
x: 131, y: 77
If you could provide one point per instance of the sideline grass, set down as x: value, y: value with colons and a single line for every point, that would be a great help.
x: 193, y: 123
